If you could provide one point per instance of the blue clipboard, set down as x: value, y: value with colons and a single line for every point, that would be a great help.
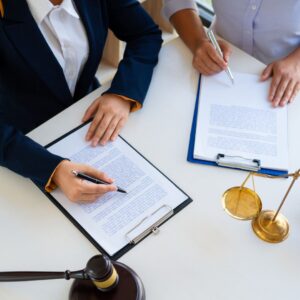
x: 190, y: 156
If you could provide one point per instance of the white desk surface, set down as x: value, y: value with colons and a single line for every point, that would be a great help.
x: 201, y: 253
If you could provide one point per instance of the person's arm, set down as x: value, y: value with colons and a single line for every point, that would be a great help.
x: 131, y: 24
x: 29, y: 159
x: 205, y: 58
x: 189, y: 27
x: 285, y: 83
x: 24, y: 156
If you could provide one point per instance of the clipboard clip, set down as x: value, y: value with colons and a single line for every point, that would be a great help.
x: 238, y: 162
x: 160, y: 215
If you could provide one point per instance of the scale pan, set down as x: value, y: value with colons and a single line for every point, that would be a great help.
x: 241, y: 203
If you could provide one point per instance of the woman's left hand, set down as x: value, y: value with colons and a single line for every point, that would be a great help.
x: 286, y: 79
x: 110, y: 114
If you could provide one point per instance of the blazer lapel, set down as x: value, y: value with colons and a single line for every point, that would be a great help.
x: 24, y: 33
x: 90, y: 13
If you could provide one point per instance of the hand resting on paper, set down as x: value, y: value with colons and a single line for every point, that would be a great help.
x: 110, y: 114
x: 285, y: 83
x: 207, y: 60
x: 76, y: 189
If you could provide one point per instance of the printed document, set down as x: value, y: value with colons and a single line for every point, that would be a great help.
x: 238, y: 120
x: 114, y: 217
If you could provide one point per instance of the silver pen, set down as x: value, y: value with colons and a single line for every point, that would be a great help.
x: 215, y: 43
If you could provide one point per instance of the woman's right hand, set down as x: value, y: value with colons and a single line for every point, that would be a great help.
x: 76, y: 189
x: 206, y: 59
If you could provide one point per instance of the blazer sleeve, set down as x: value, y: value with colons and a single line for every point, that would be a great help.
x: 24, y: 156
x: 130, y: 23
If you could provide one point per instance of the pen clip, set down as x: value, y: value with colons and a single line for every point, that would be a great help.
x: 214, y: 41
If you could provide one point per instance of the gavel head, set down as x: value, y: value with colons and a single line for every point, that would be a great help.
x: 101, y: 271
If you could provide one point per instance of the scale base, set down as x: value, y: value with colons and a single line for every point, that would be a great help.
x: 268, y: 230
x: 130, y: 287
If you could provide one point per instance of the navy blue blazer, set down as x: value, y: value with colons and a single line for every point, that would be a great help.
x: 32, y: 84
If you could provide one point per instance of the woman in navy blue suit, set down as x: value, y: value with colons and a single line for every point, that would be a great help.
x: 50, y: 51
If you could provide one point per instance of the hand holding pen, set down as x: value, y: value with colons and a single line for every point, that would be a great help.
x: 94, y: 180
x: 206, y: 58
x: 216, y: 45
x: 78, y: 190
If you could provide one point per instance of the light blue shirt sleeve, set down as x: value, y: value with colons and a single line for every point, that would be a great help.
x: 172, y: 6
x: 266, y: 29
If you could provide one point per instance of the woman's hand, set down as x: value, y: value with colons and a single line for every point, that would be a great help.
x: 110, y: 114
x: 207, y: 60
x: 285, y: 83
x: 76, y: 189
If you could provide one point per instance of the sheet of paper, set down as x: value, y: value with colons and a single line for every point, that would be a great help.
x: 238, y: 120
x: 112, y: 216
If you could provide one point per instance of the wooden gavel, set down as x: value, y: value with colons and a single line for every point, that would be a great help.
x: 100, y: 279
x: 99, y: 270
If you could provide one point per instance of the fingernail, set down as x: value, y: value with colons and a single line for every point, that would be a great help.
x: 283, y: 103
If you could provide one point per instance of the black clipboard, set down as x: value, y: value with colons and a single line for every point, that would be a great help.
x: 129, y: 246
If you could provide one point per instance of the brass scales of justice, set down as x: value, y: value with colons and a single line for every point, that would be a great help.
x: 243, y: 203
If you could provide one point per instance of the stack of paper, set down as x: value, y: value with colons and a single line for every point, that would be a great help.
x: 239, y: 121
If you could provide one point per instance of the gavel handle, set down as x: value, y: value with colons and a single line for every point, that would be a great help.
x: 29, y: 276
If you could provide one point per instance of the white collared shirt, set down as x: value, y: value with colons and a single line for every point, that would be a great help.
x: 65, y: 34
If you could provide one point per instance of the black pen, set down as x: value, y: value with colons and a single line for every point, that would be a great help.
x: 94, y: 180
